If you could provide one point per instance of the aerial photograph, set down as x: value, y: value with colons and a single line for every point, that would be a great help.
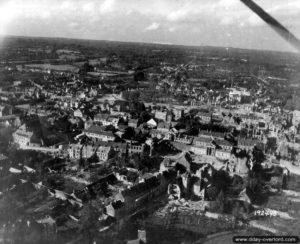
x: 149, y: 122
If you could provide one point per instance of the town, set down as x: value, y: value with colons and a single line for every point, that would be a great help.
x: 111, y: 142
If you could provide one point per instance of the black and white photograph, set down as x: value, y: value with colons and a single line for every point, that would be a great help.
x: 149, y: 121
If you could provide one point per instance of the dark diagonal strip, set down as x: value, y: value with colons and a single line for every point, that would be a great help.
x: 279, y: 28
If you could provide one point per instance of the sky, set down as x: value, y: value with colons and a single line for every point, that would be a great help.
x: 188, y: 22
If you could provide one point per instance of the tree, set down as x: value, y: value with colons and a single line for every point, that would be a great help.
x: 219, y: 207
x: 89, y: 220
x: 87, y: 68
x: 139, y: 76
x: 129, y: 133
x: 144, y: 116
x: 81, y: 162
x: 93, y: 159
x: 258, y: 156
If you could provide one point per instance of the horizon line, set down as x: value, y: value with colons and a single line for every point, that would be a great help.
x: 151, y: 43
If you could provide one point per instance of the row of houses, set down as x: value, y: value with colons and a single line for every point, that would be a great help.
x: 103, y: 150
x: 168, y: 115
x: 214, y: 144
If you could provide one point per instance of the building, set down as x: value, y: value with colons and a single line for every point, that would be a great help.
x: 203, y: 146
x: 112, y: 120
x: 74, y: 151
x: 198, y: 190
x: 204, y: 117
x: 222, y: 154
x: 137, y: 196
x: 161, y: 115
x: 22, y: 136
x: 151, y: 123
x: 202, y: 141
x: 87, y: 151
x: 136, y: 148
x: 96, y: 133
x: 250, y: 119
x: 161, y: 134
x: 104, y: 153
x: 122, y: 128
x: 10, y: 120
x: 133, y: 123
x: 247, y: 144
x: 199, y: 150
x: 225, y: 145
x: 184, y: 139
x: 211, y: 134
x: 178, y: 113
x: 163, y: 126
x: 121, y: 106
x: 296, y: 117
x: 196, y: 103
x: 165, y: 116
x: 78, y: 113
x: 102, y: 118
x: 77, y: 151
x: 106, y: 119
x: 120, y: 147
x: 240, y: 95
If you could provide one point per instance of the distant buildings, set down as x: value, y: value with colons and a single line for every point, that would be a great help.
x: 296, y: 117
x: 107, y: 119
x: 240, y: 95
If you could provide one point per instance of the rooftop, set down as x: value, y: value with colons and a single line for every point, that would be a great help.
x: 99, y: 130
x: 223, y: 143
x: 247, y: 142
x: 202, y: 139
x: 101, y: 116
x: 111, y: 144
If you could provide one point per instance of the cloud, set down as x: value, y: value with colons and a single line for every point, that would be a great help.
x: 227, y: 3
x: 107, y: 6
x: 88, y: 7
x: 153, y: 26
x: 177, y: 21
x: 178, y: 15
x: 172, y: 29
x: 254, y: 20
